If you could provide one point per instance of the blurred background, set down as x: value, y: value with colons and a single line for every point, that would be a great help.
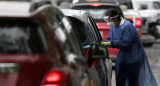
x: 58, y: 42
x: 145, y: 16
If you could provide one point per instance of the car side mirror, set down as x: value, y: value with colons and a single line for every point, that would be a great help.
x: 98, y: 51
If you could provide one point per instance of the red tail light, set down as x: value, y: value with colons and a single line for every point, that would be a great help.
x: 88, y: 54
x: 54, y: 79
x: 51, y: 85
x: 95, y: 5
x: 95, y: 63
x: 138, y: 22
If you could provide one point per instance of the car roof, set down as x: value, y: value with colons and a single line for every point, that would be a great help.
x: 147, y: 0
x: 80, y: 14
x: 102, y: 3
x: 14, y: 8
x: 17, y: 8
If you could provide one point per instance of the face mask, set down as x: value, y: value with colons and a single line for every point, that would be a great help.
x: 110, y: 24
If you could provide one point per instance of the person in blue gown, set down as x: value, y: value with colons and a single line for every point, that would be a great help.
x: 131, y: 66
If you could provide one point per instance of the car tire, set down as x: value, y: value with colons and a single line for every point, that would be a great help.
x: 147, y: 44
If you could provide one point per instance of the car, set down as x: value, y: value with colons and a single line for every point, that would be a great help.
x: 88, y: 33
x: 97, y: 10
x: 37, y: 48
x: 138, y: 11
x: 154, y: 26
x: 151, y: 9
x: 59, y: 2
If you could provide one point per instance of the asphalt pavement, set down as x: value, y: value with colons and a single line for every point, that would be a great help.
x: 156, y: 70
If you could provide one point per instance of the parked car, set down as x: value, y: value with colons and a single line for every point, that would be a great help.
x: 38, y: 48
x: 153, y: 23
x: 149, y: 9
x: 88, y: 33
x: 59, y: 2
x: 97, y: 10
x: 138, y: 11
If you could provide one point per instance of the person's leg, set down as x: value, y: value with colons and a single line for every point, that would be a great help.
x: 134, y: 69
x: 121, y: 75
x: 133, y: 81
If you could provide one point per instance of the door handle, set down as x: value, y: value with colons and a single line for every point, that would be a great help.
x: 9, y: 68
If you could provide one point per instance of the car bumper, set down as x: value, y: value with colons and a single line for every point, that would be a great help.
x: 147, y: 38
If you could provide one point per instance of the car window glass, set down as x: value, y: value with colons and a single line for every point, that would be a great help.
x: 80, y: 29
x: 98, y: 12
x: 91, y: 34
x: 128, y: 3
x: 72, y: 36
x: 95, y: 28
x: 63, y: 38
x: 61, y: 35
x: 144, y: 5
x: 90, y: 0
x: 22, y: 37
x: 66, y: 37
x: 66, y: 24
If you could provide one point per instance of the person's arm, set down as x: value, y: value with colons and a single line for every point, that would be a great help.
x: 127, y: 39
x: 107, y: 41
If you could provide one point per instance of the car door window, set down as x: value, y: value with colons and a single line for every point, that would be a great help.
x: 72, y: 36
x: 128, y: 3
x: 98, y: 12
x: 67, y: 38
x: 95, y: 28
x: 63, y: 38
x: 90, y: 34
x: 80, y: 29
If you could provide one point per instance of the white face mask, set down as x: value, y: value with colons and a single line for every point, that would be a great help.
x: 109, y: 21
x: 110, y: 24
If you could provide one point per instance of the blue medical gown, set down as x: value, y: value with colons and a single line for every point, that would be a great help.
x: 132, y: 67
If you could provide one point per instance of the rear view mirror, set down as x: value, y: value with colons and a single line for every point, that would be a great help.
x: 98, y: 51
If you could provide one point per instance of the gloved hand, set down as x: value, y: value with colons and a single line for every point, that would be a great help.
x: 106, y: 43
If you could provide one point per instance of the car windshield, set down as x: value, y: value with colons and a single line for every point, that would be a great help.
x: 90, y: 0
x: 97, y: 13
x: 128, y: 3
x: 21, y: 37
x: 145, y: 5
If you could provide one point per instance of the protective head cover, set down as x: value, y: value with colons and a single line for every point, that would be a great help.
x: 109, y: 21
